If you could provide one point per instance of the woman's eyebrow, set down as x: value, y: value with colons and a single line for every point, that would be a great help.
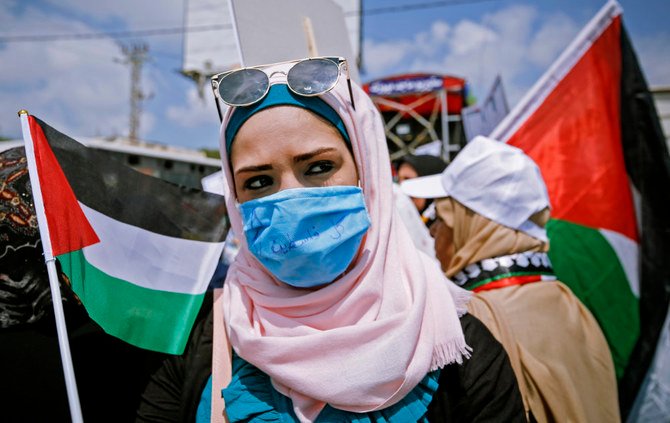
x: 258, y: 168
x: 307, y: 156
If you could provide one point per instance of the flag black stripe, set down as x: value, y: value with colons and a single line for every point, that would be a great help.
x: 648, y: 166
x: 126, y: 195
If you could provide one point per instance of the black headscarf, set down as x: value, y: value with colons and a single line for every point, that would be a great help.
x: 424, y: 164
x: 25, y: 296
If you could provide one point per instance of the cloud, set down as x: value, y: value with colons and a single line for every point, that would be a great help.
x: 380, y: 57
x: 440, y: 31
x: 509, y: 42
x: 552, y: 38
x: 129, y: 15
x: 147, y: 123
x: 195, y: 112
x: 135, y: 14
x: 73, y: 85
x: 654, y: 56
x: 469, y: 37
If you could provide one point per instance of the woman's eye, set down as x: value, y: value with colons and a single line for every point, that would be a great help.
x: 258, y: 182
x: 320, y: 167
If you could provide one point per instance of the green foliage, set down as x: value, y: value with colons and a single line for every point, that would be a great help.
x: 211, y: 153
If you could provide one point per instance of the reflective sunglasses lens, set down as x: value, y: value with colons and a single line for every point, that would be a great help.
x: 313, y: 77
x: 243, y: 87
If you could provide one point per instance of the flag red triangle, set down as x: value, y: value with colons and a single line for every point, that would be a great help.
x: 575, y: 138
x: 69, y: 229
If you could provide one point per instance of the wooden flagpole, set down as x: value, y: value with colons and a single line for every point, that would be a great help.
x: 312, y: 50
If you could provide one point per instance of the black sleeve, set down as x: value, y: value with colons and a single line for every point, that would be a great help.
x: 161, y: 398
x: 483, y: 388
x: 110, y: 373
x: 174, y: 390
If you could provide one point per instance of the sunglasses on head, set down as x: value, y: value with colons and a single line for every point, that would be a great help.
x: 307, y: 77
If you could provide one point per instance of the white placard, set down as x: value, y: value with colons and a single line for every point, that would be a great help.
x: 276, y: 31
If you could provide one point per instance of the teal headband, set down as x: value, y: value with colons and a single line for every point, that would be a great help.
x: 280, y: 95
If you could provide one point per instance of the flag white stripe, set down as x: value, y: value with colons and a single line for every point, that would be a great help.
x: 627, y: 251
x: 148, y: 259
x: 566, y: 61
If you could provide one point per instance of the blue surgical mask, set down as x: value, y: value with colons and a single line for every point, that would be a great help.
x: 306, y: 237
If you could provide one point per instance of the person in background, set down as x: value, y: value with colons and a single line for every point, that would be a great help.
x: 416, y: 226
x: 411, y: 166
x: 328, y: 312
x: 492, y: 206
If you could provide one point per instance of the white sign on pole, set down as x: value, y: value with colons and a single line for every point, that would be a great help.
x: 433, y: 148
x: 210, y: 42
x: 276, y: 31
x: 481, y: 119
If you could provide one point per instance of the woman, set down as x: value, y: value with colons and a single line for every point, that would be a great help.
x: 490, y: 238
x: 331, y: 313
x: 410, y: 167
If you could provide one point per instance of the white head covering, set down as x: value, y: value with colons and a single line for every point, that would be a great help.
x: 494, y: 179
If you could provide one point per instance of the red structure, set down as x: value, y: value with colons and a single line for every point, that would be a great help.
x: 420, y: 108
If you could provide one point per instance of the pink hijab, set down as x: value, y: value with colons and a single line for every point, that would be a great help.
x: 363, y: 342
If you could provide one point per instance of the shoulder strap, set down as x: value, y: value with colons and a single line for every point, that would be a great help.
x: 221, y: 360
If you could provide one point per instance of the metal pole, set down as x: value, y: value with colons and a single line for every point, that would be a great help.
x: 444, y: 118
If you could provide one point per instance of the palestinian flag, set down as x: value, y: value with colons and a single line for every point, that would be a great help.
x: 591, y: 126
x: 138, y: 251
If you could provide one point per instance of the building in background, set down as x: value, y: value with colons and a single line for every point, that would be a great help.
x: 662, y: 101
x: 180, y: 166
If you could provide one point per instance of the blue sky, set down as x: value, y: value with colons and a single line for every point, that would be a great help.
x: 78, y: 87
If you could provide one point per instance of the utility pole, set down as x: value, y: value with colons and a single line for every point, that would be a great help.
x: 135, y: 55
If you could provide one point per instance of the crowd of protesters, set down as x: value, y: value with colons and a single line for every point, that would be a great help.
x: 337, y: 306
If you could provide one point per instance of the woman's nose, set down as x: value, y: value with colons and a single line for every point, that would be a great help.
x: 289, y: 181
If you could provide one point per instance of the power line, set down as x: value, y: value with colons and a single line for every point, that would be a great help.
x: 215, y: 27
x: 112, y: 34
x: 385, y: 10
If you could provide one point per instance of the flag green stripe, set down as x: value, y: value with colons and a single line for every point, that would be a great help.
x: 584, y: 260
x: 151, y: 319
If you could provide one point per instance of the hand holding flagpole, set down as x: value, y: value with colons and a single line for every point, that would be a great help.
x: 66, y: 357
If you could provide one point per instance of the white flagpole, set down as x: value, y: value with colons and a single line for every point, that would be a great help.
x: 66, y: 357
